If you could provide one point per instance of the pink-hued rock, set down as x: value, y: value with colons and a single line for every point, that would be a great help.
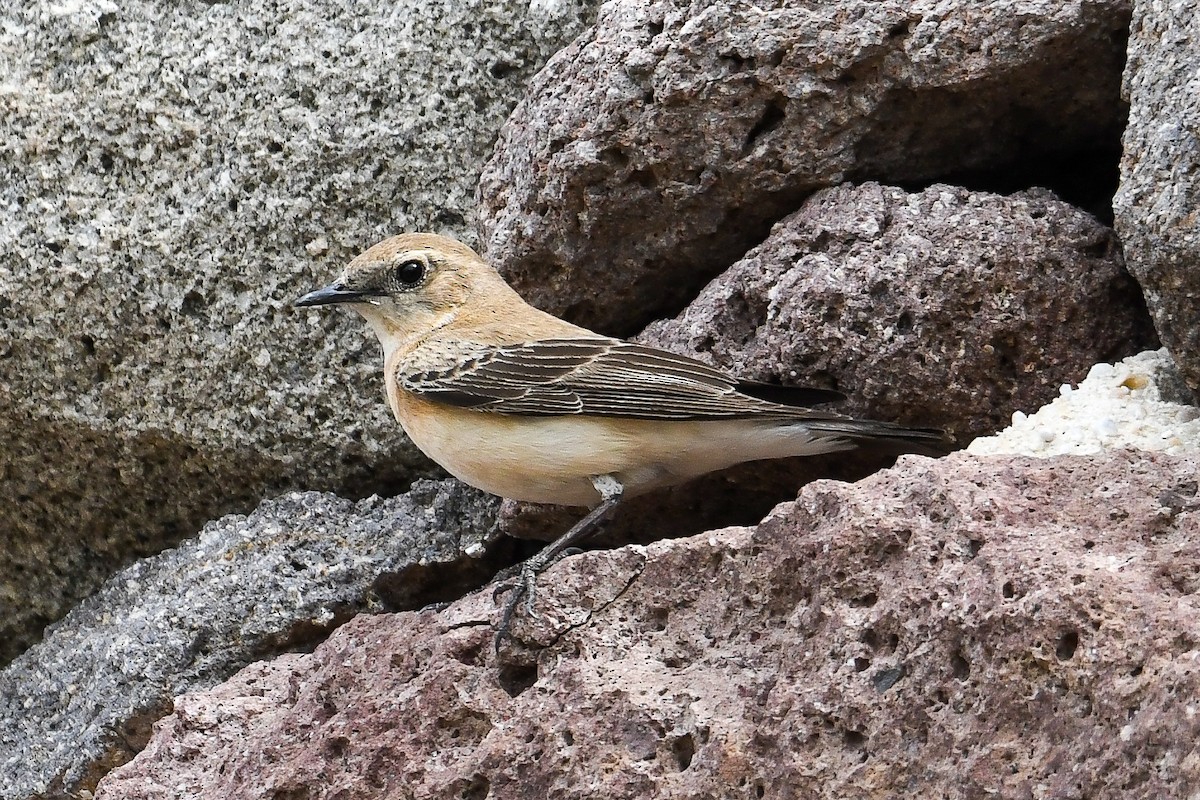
x: 658, y: 147
x: 1158, y: 204
x: 942, y: 307
x: 955, y: 628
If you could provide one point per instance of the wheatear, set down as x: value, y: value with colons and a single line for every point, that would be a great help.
x: 524, y: 405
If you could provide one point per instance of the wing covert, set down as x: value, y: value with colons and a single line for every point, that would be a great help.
x: 600, y: 377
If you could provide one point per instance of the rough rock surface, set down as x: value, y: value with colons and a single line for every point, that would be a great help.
x: 1158, y: 204
x: 966, y: 627
x: 658, y: 147
x: 171, y: 177
x: 941, y: 307
x: 247, y: 588
x: 868, y: 289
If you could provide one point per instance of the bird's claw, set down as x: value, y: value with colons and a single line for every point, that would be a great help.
x: 524, y: 588
x: 501, y: 588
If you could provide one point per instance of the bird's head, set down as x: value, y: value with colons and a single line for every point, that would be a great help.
x: 410, y: 284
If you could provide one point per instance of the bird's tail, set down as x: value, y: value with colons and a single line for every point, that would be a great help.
x: 867, y: 433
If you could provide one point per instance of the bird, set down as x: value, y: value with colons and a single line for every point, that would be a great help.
x: 522, y: 404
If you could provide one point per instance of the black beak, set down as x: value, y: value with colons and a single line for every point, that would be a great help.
x: 333, y: 293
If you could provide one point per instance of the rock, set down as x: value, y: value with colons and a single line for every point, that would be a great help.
x: 1138, y: 402
x: 868, y: 289
x: 943, y: 307
x: 83, y: 700
x: 962, y: 627
x: 1158, y: 203
x: 661, y: 145
x: 171, y: 180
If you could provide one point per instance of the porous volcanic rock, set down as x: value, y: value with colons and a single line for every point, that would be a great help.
x: 658, y: 147
x: 965, y: 627
x: 1158, y: 204
x: 942, y: 307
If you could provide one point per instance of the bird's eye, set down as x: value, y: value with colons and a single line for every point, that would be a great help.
x: 410, y: 273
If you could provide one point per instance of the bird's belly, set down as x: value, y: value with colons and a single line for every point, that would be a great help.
x: 552, y: 459
x: 537, y: 459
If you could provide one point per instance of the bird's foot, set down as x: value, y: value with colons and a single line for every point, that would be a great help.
x: 525, y: 587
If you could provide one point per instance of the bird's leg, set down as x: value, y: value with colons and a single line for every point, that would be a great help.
x: 610, y: 490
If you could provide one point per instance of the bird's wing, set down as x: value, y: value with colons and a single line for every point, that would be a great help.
x: 601, y: 377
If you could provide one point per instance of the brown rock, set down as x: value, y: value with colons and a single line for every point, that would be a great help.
x: 1158, y: 204
x: 656, y: 149
x: 955, y: 628
x: 942, y: 307
x: 869, y: 289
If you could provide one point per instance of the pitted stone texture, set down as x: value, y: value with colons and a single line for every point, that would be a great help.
x: 171, y: 178
x: 83, y: 700
x: 943, y: 307
x: 1158, y: 204
x: 955, y: 628
x: 657, y: 148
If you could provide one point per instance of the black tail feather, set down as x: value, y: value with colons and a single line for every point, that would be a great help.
x: 868, y: 433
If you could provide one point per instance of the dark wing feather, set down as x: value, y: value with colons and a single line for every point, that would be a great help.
x: 602, y: 377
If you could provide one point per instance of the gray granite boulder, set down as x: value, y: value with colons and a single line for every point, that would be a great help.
x: 172, y: 176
